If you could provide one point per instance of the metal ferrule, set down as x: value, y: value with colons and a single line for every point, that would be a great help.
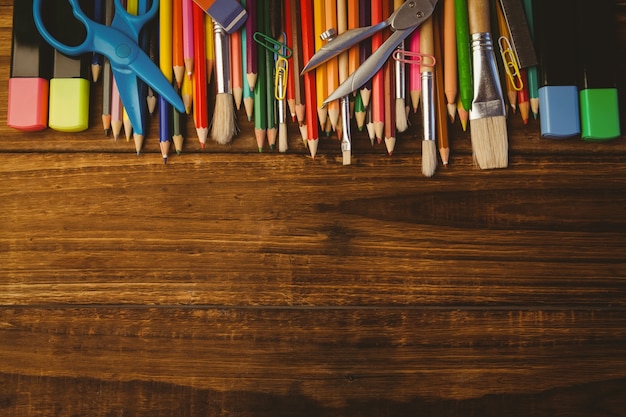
x: 428, y: 105
x: 346, y: 144
x: 281, y: 106
x: 400, y: 79
x: 488, y: 100
x: 222, y: 59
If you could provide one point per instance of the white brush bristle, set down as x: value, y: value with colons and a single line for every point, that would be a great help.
x: 429, y: 157
x: 490, y: 144
x: 283, y: 144
x: 224, y: 123
x: 402, y: 123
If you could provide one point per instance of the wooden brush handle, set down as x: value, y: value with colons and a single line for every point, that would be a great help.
x: 478, y: 13
x: 427, y: 42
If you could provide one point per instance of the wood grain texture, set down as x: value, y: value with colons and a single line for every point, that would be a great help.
x: 232, y: 283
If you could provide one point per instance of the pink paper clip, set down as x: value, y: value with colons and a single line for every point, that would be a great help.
x: 414, y: 58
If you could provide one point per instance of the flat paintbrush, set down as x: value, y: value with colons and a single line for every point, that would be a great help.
x: 223, y: 124
x: 429, y: 144
x: 488, y: 112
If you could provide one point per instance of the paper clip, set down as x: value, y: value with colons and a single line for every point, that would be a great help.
x: 280, y: 79
x: 510, y: 63
x: 272, y: 45
x: 414, y: 58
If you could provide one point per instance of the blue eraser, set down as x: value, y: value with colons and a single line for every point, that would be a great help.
x: 229, y: 14
x: 560, y: 117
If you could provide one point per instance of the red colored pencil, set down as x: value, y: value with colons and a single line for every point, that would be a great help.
x: 308, y: 49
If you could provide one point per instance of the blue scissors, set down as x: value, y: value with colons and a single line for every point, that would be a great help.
x: 129, y: 63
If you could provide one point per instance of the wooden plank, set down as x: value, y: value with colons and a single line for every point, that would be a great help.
x: 332, y: 359
x: 235, y: 283
x: 240, y: 230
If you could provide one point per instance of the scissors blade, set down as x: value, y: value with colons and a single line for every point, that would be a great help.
x: 404, y: 21
x: 149, y: 73
x: 408, y: 16
x: 128, y: 87
x: 370, y: 67
x: 342, y: 42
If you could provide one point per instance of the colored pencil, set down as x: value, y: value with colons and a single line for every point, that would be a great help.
x: 209, y: 44
x: 178, y: 61
x: 415, y: 78
x: 199, y: 72
x: 166, y: 66
x: 310, y: 90
x: 442, y: 116
x: 321, y: 79
x: 251, y: 46
x: 332, y: 65
x: 449, y: 61
x: 377, y: 99
x: 188, y: 37
x: 461, y: 20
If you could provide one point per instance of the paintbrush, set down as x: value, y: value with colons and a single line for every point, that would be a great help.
x: 488, y: 112
x: 429, y: 144
x: 223, y: 124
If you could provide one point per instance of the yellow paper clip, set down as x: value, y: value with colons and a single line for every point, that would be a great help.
x: 272, y: 45
x: 511, y: 65
x: 414, y: 58
x: 280, y: 79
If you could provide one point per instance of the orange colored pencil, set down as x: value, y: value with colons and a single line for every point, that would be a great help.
x: 441, y: 101
x: 523, y: 100
x: 353, y: 23
x: 332, y: 65
x: 321, y: 79
x: 177, y: 41
x: 450, y: 74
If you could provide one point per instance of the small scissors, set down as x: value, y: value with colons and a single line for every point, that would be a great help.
x: 403, y: 21
x: 119, y: 43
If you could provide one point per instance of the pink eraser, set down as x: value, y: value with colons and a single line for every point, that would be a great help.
x: 229, y: 14
x: 28, y: 104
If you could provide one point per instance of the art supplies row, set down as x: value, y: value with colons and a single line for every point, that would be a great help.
x: 329, y: 66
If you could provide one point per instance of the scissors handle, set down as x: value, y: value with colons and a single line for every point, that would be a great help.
x: 85, y: 46
x: 131, y: 24
x: 99, y: 38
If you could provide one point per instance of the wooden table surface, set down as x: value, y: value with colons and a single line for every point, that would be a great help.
x: 233, y: 283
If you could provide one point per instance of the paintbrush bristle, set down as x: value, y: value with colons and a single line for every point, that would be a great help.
x: 224, y: 123
x: 283, y: 144
x: 429, y: 157
x: 402, y: 123
x: 490, y: 142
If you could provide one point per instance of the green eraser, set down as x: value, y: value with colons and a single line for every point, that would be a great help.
x: 69, y: 104
x: 599, y: 114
